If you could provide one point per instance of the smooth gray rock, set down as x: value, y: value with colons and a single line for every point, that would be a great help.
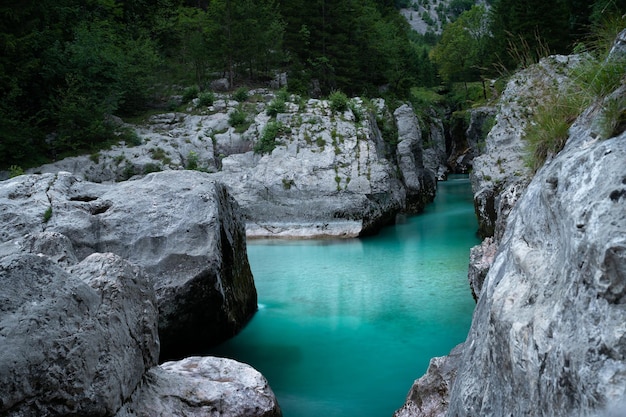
x: 548, y: 335
x: 420, y: 183
x: 184, y: 229
x: 74, y: 343
x: 481, y: 259
x: 429, y: 395
x: 203, y: 387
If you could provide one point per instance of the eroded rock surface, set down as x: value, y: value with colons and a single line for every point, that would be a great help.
x: 549, y: 330
x: 429, y: 395
x: 181, y: 227
x: 73, y: 343
x: 331, y: 173
x: 203, y: 387
x: 420, y: 182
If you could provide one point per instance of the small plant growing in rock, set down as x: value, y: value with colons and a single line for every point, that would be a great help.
x: 95, y: 157
x: 238, y: 119
x: 338, y: 101
x: 267, y: 142
x: 189, y: 94
x: 47, y: 215
x: 192, y: 160
x: 160, y: 155
x: 15, y: 171
x: 206, y: 99
x: 241, y: 94
x: 276, y: 106
x: 288, y: 183
x: 150, y: 167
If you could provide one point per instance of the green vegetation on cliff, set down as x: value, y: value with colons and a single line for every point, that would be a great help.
x: 67, y: 66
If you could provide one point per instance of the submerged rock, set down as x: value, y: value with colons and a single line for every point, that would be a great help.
x: 181, y: 227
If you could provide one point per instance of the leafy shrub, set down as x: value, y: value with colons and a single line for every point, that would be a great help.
x: 192, y: 160
x: 130, y: 137
x: 283, y: 95
x: 238, y: 119
x: 276, y: 106
x: 15, y: 171
x: 206, y: 98
x: 189, y: 94
x: 267, y: 142
x: 241, y: 94
x: 338, y: 101
x: 150, y: 167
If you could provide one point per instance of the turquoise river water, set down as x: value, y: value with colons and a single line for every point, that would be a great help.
x: 345, y: 327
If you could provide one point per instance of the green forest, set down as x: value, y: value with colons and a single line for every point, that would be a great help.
x: 68, y: 66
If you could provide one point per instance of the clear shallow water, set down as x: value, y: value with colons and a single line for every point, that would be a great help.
x: 344, y: 327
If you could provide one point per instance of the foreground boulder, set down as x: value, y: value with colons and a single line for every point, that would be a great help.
x: 182, y: 228
x: 548, y: 330
x: 73, y: 343
x: 203, y: 387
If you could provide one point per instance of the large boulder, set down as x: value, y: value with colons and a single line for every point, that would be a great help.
x: 203, y: 387
x: 73, y: 343
x: 182, y: 228
x: 420, y: 182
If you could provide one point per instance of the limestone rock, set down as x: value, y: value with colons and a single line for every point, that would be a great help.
x: 184, y: 229
x: 327, y: 176
x: 481, y: 258
x: 428, y: 396
x: 73, y: 343
x: 203, y: 387
x: 501, y: 165
x: 420, y: 182
x: 548, y: 334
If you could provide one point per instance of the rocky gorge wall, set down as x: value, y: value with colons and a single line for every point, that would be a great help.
x: 548, y: 335
x: 330, y: 174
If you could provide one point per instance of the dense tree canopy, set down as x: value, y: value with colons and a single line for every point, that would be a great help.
x: 66, y: 66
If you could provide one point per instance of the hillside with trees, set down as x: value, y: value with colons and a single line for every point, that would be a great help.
x: 67, y: 66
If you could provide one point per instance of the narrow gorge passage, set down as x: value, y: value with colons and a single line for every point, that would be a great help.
x: 344, y: 327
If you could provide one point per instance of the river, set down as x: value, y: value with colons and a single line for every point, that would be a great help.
x: 345, y: 327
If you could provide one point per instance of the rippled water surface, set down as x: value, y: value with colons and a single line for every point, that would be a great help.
x: 344, y: 327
